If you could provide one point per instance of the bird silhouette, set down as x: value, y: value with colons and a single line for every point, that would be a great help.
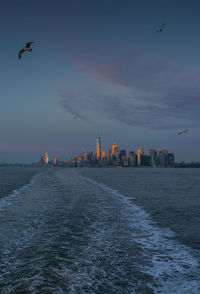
x: 25, y: 49
x: 161, y: 28
x: 183, y: 132
x: 74, y: 117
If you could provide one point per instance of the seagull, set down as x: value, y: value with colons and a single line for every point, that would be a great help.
x: 183, y: 132
x: 161, y: 28
x: 74, y: 117
x: 25, y: 49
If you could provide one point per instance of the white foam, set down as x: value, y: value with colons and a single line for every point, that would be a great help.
x: 174, y: 267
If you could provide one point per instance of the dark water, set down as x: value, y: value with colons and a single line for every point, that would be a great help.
x: 100, y: 231
x: 12, y: 178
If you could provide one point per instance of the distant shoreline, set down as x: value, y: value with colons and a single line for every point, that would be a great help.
x: 177, y: 165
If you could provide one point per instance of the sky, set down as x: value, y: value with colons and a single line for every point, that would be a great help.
x: 104, y: 63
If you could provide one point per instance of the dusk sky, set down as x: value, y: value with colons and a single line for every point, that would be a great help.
x: 103, y: 62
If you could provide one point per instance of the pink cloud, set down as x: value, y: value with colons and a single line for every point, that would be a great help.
x: 117, y: 63
x: 157, y: 85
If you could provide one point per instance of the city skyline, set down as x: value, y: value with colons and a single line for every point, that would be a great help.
x: 114, y: 157
x: 103, y: 63
x: 55, y: 157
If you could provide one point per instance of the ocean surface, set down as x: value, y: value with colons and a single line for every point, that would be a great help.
x: 99, y: 230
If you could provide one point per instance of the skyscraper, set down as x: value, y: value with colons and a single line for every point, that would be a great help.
x: 86, y: 156
x: 154, y: 157
x: 163, y: 158
x: 122, y: 153
x: 140, y: 153
x: 46, y: 158
x: 80, y: 161
x: 109, y: 155
x: 114, y: 149
x: 98, y: 147
x: 132, y: 158
x: 116, y: 153
x: 41, y: 160
x: 171, y: 159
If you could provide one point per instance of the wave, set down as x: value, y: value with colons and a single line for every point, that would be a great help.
x: 173, y: 266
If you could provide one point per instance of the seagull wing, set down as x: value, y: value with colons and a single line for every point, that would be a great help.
x: 161, y: 28
x: 28, y: 44
x: 20, y: 53
x: 180, y: 133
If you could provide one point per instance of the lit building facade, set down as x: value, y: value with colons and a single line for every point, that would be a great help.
x: 46, y: 158
x: 140, y: 153
x: 103, y: 154
x: 86, y: 156
x: 98, y: 148
x: 115, y: 151
x: 80, y: 161
x: 114, y: 146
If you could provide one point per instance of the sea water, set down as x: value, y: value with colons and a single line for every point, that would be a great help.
x: 100, y: 230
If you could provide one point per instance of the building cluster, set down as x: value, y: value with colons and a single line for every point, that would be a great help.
x: 113, y: 158
x: 45, y: 161
x: 116, y: 157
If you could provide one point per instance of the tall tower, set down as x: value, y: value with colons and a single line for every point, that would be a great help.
x: 46, y: 158
x: 140, y: 152
x: 98, y: 146
x: 114, y: 146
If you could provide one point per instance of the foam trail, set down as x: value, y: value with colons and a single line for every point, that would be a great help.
x: 173, y: 266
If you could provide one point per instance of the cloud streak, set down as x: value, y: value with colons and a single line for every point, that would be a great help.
x: 130, y: 109
x: 146, y: 91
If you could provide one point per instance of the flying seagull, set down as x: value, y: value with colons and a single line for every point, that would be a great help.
x: 74, y: 117
x: 161, y: 28
x: 183, y: 132
x: 25, y: 49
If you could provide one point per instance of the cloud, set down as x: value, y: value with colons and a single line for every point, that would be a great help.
x: 146, y: 90
x: 129, y: 107
x: 71, y: 102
